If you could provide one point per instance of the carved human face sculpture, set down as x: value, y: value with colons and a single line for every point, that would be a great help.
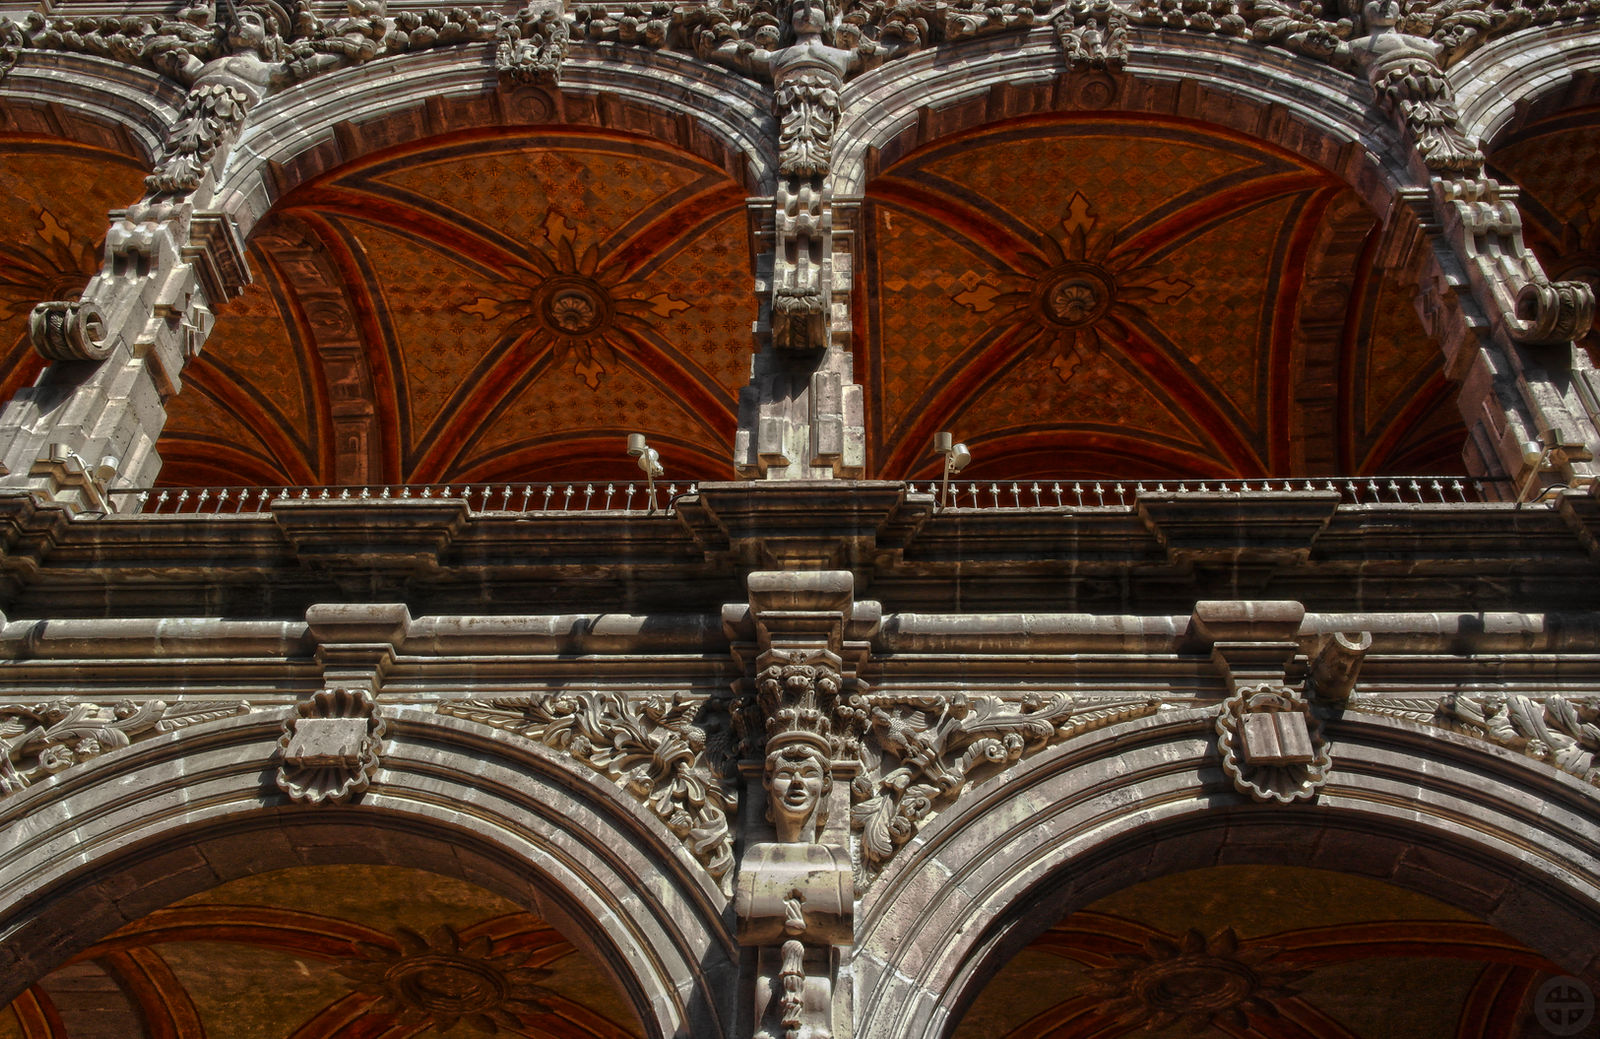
x: 796, y: 779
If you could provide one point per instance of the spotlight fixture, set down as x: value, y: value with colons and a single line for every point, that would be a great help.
x: 1537, y: 455
x: 956, y: 458
x: 649, y: 463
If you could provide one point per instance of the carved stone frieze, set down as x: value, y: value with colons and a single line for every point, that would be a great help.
x: 1221, y: 17
x: 1563, y: 732
x: 39, y: 740
x: 1560, y: 730
x: 330, y: 746
x: 1093, y: 35
x: 651, y: 747
x: 1272, y: 744
x: 531, y: 46
x: 927, y: 750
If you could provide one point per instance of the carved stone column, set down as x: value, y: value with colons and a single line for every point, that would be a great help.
x: 801, y: 718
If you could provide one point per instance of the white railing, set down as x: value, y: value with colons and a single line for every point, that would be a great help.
x: 635, y: 498
x: 1123, y: 494
x: 479, y: 497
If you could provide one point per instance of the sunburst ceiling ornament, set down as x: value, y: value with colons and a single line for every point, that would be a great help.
x: 1065, y: 298
x: 1194, y: 982
x: 575, y: 304
x: 439, y: 981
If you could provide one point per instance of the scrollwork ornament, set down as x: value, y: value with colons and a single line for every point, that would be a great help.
x: 39, y: 740
x: 807, y: 107
x: 652, y: 748
x: 1554, y: 312
x: 1272, y: 745
x: 69, y: 330
x: 330, y: 747
x: 1563, y: 732
x: 933, y: 748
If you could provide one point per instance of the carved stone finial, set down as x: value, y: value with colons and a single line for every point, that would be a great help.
x: 330, y: 746
x: 1272, y: 745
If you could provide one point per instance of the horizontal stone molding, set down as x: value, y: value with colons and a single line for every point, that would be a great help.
x: 99, y: 845
x: 1496, y: 834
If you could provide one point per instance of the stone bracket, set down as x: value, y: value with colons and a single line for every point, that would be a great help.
x: 356, y: 643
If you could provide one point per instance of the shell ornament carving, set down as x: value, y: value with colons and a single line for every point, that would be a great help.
x: 330, y: 747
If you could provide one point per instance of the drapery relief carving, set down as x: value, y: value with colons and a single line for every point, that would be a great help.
x: 653, y: 748
x: 1563, y: 731
x: 39, y: 740
x: 330, y: 747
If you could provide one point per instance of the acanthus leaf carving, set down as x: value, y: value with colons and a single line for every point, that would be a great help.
x: 1272, y: 744
x: 1563, y: 732
x: 531, y: 47
x: 1093, y: 35
x: 39, y: 740
x: 932, y: 748
x: 652, y: 748
x: 330, y: 746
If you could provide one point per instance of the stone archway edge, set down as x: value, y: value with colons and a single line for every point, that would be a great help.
x: 170, y: 817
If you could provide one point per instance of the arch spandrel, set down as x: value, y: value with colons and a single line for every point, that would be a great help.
x: 1489, y: 831
x: 131, y: 831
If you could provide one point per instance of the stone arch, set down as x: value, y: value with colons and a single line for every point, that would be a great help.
x: 303, y: 133
x: 1489, y: 831
x: 1306, y: 108
x: 93, y: 101
x: 1526, y: 76
x: 137, y: 829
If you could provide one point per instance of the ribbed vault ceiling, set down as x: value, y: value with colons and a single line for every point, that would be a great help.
x: 328, y: 952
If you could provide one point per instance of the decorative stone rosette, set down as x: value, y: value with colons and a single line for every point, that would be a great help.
x: 330, y: 747
x: 1272, y: 744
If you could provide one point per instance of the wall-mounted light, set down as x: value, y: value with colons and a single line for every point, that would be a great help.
x: 956, y: 458
x: 649, y: 463
x: 1537, y: 455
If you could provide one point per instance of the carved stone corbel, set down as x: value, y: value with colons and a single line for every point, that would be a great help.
x: 330, y: 747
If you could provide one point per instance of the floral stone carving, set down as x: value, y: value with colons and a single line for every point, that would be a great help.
x: 1563, y: 732
x: 329, y: 748
x: 440, y: 980
x: 1272, y: 745
x: 650, y: 747
x: 39, y: 740
x: 932, y: 748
